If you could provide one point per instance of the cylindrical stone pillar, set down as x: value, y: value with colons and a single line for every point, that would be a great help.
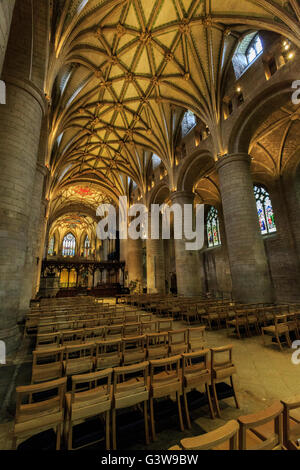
x: 189, y: 281
x: 135, y: 260
x: 20, y: 127
x: 155, y: 264
x: 248, y: 263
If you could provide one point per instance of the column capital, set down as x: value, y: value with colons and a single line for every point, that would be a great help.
x: 41, y: 168
x: 182, y: 196
x: 30, y: 88
x: 233, y: 157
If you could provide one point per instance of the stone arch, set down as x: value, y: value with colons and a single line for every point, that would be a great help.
x: 255, y: 113
x: 195, y: 166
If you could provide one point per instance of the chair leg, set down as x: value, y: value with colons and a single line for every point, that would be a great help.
x: 14, y: 443
x: 279, y: 342
x: 152, y: 419
x: 211, y: 409
x: 58, y: 437
x: 288, y: 339
x: 114, y: 431
x: 70, y: 435
x: 146, y: 422
x: 186, y: 409
x: 107, y: 430
x: 216, y: 398
x: 234, y: 392
x: 180, y: 411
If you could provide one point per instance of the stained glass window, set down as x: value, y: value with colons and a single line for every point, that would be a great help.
x: 87, y: 247
x: 264, y: 210
x: 69, y: 245
x: 51, y: 247
x: 188, y: 122
x: 254, y: 49
x: 212, y: 227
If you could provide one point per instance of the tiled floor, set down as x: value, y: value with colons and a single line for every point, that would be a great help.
x: 264, y: 374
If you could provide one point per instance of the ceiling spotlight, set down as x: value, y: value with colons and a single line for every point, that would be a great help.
x: 286, y: 47
x: 291, y: 55
x: 238, y: 89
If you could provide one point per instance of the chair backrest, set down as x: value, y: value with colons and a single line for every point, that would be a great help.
x: 108, y: 353
x: 196, y: 338
x: 164, y: 325
x: 255, y: 432
x: 91, y: 393
x: 221, y: 362
x: 79, y: 358
x: 133, y: 349
x: 113, y: 331
x: 47, y: 341
x: 178, y: 341
x: 157, y: 345
x: 226, y: 435
x: 131, y: 329
x: 29, y: 410
x: 94, y: 334
x: 196, y: 368
x: 131, y: 385
x: 72, y: 337
x: 167, y: 382
x: 47, y: 365
x: 148, y: 326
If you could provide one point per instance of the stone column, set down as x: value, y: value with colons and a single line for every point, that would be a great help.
x: 6, y: 11
x: 34, y: 240
x: 155, y: 264
x: 20, y: 127
x: 248, y: 263
x: 189, y: 281
x: 135, y: 260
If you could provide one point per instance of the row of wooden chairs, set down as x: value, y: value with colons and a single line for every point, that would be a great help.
x: 272, y: 429
x: 106, y: 331
x: 49, y: 364
x: 92, y: 394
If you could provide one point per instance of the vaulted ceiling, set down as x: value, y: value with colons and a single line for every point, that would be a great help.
x: 122, y: 72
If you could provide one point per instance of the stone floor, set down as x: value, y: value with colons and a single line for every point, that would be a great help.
x: 264, y: 374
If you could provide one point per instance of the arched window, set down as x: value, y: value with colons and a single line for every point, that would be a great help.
x: 51, y: 246
x: 188, y: 122
x: 69, y: 245
x: 264, y: 210
x: 254, y: 49
x: 212, y: 227
x: 87, y: 247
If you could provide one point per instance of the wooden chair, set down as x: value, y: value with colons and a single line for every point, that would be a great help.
x: 113, y: 332
x: 108, y: 354
x: 164, y: 384
x: 91, y: 396
x: 178, y: 342
x: 255, y: 431
x: 164, y: 325
x: 94, y: 334
x: 130, y: 388
x: 148, y: 327
x: 157, y: 345
x: 131, y: 330
x: 196, y: 373
x: 291, y: 423
x: 47, y: 365
x: 239, y: 322
x: 222, y: 368
x: 133, y: 350
x: 196, y: 338
x: 223, y: 438
x: 79, y: 359
x: 36, y: 416
x: 279, y: 329
x: 48, y: 341
x: 72, y: 337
